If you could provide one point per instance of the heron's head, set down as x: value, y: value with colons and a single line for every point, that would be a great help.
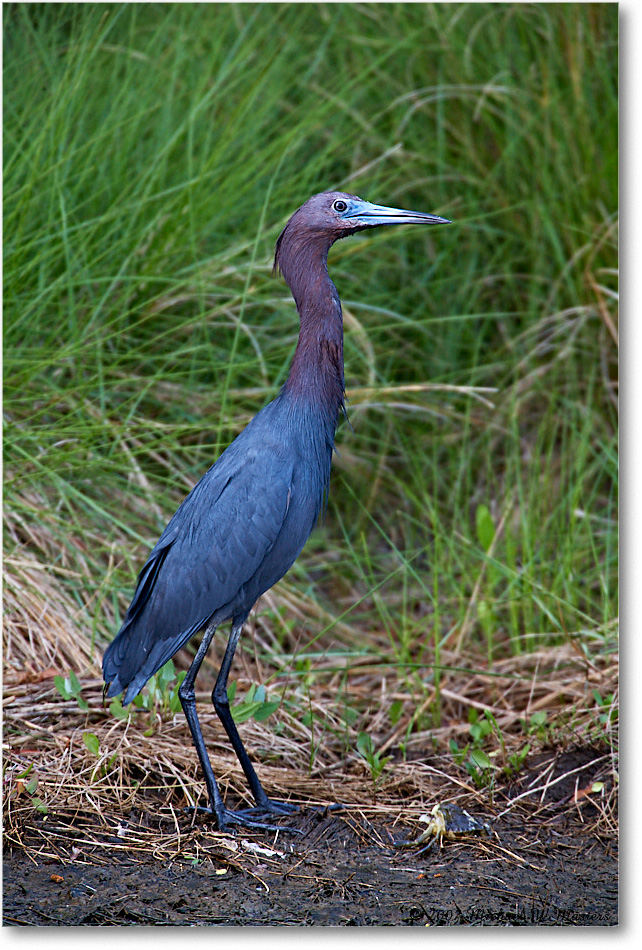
x: 331, y: 215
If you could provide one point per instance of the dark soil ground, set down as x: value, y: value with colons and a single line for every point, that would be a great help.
x: 331, y: 877
x: 547, y: 869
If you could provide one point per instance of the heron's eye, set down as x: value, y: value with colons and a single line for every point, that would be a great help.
x: 340, y: 205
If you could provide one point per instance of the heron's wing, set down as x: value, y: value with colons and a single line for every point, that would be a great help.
x: 217, y: 540
x: 181, y: 528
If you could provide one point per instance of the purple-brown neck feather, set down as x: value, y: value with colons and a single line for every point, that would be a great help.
x: 317, y: 368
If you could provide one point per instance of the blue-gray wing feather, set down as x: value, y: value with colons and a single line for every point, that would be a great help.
x: 218, y: 540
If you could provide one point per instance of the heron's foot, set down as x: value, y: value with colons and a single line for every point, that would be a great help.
x: 269, y: 807
x: 248, y: 817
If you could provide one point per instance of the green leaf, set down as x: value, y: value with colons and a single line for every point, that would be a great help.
x: 485, y: 526
x: 395, y: 712
x: 266, y: 710
x: 117, y: 709
x: 91, y: 741
x: 364, y: 745
x: 74, y: 684
x: 166, y: 674
x: 479, y: 759
x: 245, y: 711
x: 61, y: 686
x: 39, y: 805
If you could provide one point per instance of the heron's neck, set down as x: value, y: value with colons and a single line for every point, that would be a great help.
x: 316, y: 372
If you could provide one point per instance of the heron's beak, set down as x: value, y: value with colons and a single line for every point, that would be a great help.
x: 365, y: 213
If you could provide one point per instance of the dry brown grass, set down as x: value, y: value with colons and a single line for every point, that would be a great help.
x: 147, y: 767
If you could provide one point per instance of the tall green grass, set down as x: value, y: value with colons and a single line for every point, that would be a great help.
x: 152, y: 154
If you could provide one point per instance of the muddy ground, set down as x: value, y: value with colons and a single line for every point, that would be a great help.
x: 550, y: 868
x: 331, y: 877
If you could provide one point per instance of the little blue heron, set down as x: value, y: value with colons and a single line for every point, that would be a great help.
x: 243, y: 525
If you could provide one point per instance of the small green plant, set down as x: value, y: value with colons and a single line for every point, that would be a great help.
x: 255, y: 704
x: 69, y: 688
x: 477, y: 762
x: 480, y: 728
x: 376, y: 763
x: 28, y: 788
x: 481, y: 769
x: 159, y: 698
x: 608, y: 715
x: 515, y: 760
x: 161, y: 693
x: 537, y: 726
x: 92, y: 743
x: 117, y: 709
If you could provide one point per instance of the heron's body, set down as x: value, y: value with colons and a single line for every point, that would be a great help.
x: 245, y: 522
x: 228, y: 542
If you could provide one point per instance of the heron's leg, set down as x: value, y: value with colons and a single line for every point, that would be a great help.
x: 222, y: 707
x: 224, y: 816
x: 188, y: 702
